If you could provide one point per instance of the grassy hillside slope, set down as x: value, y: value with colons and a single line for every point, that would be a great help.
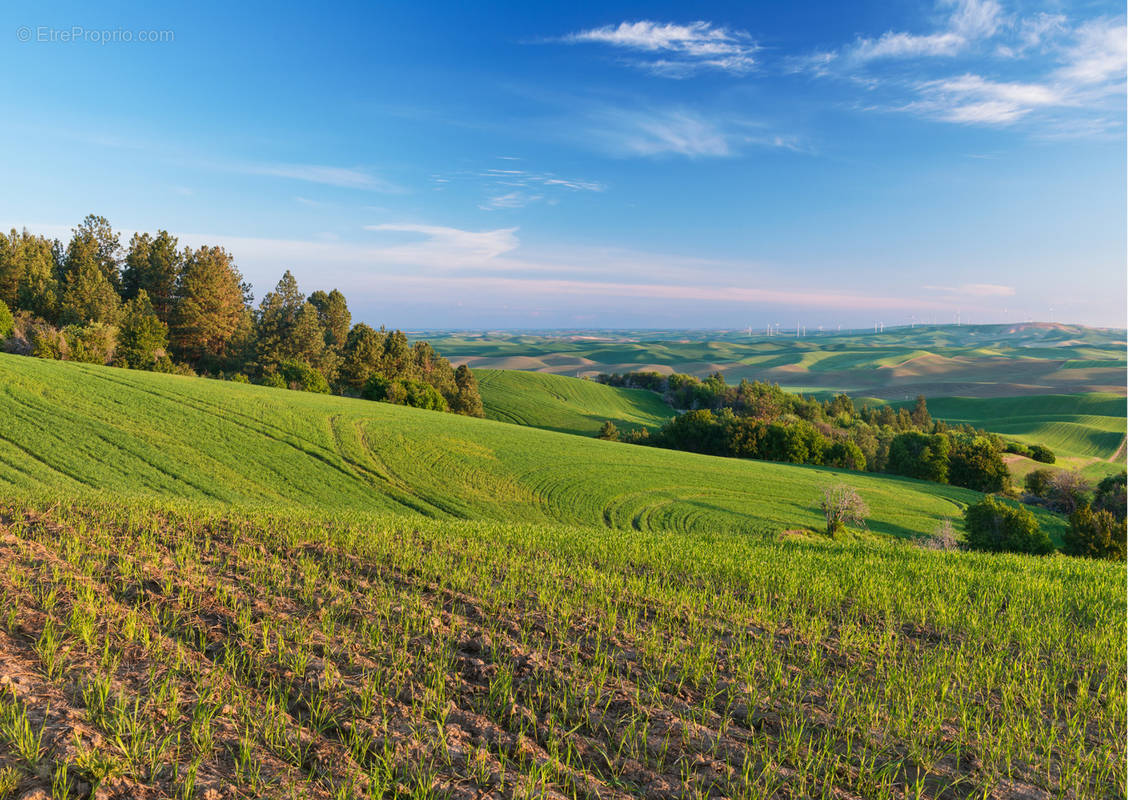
x: 568, y: 405
x: 72, y: 426
x: 1085, y: 426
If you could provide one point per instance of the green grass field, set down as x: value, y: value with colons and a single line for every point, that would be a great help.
x: 211, y: 589
x: 568, y: 405
x: 82, y: 427
x: 175, y: 650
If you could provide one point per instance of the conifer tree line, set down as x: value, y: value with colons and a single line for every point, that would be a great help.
x: 154, y: 305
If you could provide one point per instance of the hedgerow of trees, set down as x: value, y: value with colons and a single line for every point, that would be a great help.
x: 155, y: 305
x: 762, y: 421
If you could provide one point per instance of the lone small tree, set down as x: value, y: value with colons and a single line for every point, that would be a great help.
x: 1069, y: 490
x: 842, y: 506
x: 1038, y: 482
x: 609, y: 432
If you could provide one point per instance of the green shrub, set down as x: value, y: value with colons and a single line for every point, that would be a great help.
x: 7, y: 322
x: 142, y: 337
x: 302, y: 377
x: 976, y: 463
x: 1038, y: 482
x: 845, y: 455
x: 1018, y: 448
x: 404, y: 393
x: 423, y: 395
x: 273, y: 380
x: 920, y: 455
x: 1095, y: 534
x: 1111, y: 495
x: 1000, y: 527
x: 609, y: 432
x: 1042, y: 453
x: 93, y: 343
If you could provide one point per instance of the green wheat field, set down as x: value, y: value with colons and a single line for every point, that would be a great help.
x: 215, y: 587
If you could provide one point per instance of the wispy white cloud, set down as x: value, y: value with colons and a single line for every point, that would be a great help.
x: 1091, y: 70
x: 344, y: 177
x: 520, y: 177
x: 517, y: 188
x: 1033, y: 33
x: 972, y: 98
x: 970, y: 21
x: 1073, y: 81
x: 676, y: 51
x: 444, y: 246
x: 1097, y: 56
x: 510, y: 200
x: 975, y: 290
x: 653, y: 132
x: 447, y: 263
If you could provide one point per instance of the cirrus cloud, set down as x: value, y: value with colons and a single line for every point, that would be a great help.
x: 673, y: 50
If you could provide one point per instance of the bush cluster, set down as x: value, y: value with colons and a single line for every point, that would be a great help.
x: 762, y: 421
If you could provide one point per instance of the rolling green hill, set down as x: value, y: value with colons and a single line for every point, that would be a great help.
x: 568, y: 405
x: 80, y: 427
x: 1086, y: 426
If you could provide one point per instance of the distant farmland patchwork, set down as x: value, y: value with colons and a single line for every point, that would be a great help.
x: 945, y: 361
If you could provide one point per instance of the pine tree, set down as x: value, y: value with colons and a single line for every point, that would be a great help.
x: 307, y: 339
x: 277, y: 317
x: 210, y: 300
x: 364, y: 347
x: 333, y: 313
x: 153, y: 264
x: 29, y: 274
x: 396, y: 360
x: 95, y: 240
x: 88, y: 295
x: 920, y: 416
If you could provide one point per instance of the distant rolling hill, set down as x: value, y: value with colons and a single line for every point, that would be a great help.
x: 1085, y: 431
x: 74, y: 428
x: 934, y: 360
x: 568, y: 405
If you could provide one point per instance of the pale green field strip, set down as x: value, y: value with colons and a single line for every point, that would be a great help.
x: 79, y: 427
x: 568, y: 405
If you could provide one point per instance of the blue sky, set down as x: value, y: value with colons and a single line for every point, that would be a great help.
x: 597, y: 165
